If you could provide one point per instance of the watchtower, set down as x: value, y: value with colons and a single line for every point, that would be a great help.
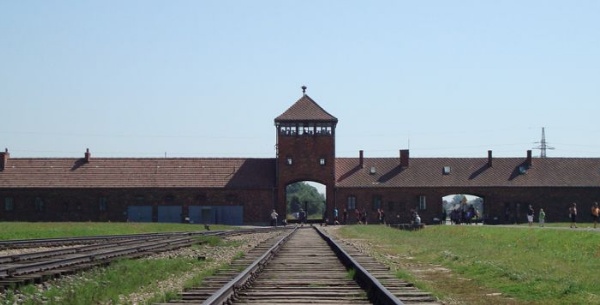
x: 305, y: 149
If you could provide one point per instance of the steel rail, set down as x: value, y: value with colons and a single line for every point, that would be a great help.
x: 94, y: 254
x: 40, y: 242
x: 225, y: 293
x: 377, y: 292
x: 56, y: 262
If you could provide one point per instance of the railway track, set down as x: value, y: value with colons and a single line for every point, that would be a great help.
x: 78, y: 254
x: 304, y: 266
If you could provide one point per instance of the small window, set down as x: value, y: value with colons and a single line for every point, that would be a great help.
x: 322, y: 161
x: 9, y: 204
x: 422, y: 203
x: 351, y: 202
x: 289, y: 161
x: 376, y: 203
x: 39, y: 204
x: 446, y: 170
x: 102, y: 204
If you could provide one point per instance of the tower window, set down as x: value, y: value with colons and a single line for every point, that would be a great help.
x: 289, y: 161
x: 322, y: 161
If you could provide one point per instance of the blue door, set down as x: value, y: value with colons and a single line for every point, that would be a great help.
x: 214, y: 214
x: 139, y: 213
x: 171, y: 213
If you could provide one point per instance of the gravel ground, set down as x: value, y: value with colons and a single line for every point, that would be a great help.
x: 215, y: 256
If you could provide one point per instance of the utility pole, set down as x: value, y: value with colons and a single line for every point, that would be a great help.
x: 543, y: 145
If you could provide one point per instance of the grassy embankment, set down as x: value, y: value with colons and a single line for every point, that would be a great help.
x: 526, y: 265
x: 106, y: 285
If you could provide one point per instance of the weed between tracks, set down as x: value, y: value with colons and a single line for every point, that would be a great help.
x: 104, y: 285
x: 117, y: 283
x: 492, y: 265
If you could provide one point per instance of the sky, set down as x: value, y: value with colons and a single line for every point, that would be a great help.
x: 150, y: 78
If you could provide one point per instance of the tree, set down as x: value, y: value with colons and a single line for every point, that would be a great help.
x: 301, y: 195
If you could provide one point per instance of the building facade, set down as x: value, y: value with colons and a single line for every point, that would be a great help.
x: 244, y: 190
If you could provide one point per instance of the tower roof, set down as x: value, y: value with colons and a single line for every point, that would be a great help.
x: 306, y: 109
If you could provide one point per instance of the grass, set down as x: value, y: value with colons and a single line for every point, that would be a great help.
x: 530, y: 265
x: 32, y: 230
x: 106, y: 285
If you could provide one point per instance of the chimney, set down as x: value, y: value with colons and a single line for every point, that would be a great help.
x: 489, y: 158
x: 528, y: 163
x: 360, y: 159
x: 404, y: 157
x: 87, y: 155
x: 4, y: 159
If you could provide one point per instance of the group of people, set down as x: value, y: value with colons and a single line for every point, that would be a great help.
x: 595, y: 212
x: 456, y: 216
x: 531, y: 213
x: 466, y: 216
x: 361, y: 217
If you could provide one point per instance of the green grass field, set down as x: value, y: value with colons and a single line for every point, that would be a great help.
x: 552, y: 265
x: 528, y: 265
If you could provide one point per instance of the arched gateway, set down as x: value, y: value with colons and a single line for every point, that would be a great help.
x: 305, y: 149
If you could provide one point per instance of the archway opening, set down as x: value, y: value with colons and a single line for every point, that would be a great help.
x: 305, y: 201
x: 462, y: 209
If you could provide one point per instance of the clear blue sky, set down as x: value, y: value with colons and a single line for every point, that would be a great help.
x: 207, y: 78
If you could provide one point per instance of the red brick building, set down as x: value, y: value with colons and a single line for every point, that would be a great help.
x: 243, y: 191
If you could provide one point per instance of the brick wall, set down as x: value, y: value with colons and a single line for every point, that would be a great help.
x: 84, y: 204
x: 398, y: 202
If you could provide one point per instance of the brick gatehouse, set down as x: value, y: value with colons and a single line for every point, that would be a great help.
x: 245, y: 190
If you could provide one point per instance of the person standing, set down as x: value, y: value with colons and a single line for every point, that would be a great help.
x: 542, y: 217
x: 335, y: 216
x: 530, y: 213
x: 302, y: 217
x: 595, y: 214
x: 274, y: 218
x: 573, y: 215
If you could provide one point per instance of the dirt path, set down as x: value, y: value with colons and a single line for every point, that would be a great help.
x: 451, y: 288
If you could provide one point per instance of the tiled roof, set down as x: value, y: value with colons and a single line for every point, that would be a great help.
x: 138, y: 172
x: 305, y: 109
x: 468, y: 172
x: 260, y: 173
